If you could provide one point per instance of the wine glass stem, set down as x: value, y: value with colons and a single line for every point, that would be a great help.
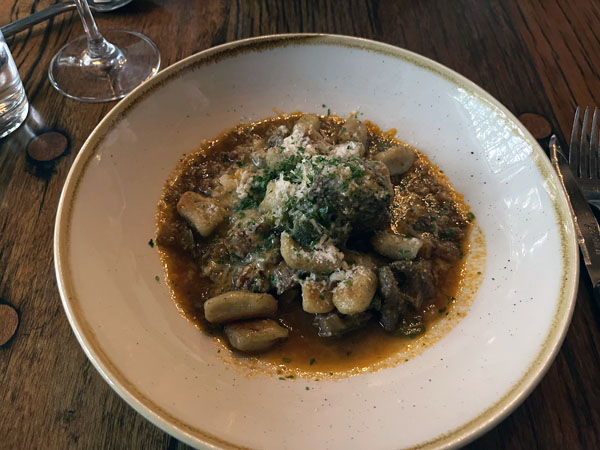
x: 97, y: 47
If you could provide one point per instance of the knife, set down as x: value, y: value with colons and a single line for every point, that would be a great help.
x: 586, y: 225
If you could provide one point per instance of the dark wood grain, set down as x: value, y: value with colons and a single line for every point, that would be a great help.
x: 535, y: 56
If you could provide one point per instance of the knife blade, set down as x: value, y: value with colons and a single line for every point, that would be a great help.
x: 587, y: 230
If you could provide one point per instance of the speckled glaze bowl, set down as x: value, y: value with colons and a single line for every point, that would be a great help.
x: 444, y: 396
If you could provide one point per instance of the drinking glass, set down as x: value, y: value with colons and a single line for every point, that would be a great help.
x: 97, y: 68
x: 13, y: 101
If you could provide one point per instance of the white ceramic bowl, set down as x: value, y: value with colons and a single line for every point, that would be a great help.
x: 172, y: 374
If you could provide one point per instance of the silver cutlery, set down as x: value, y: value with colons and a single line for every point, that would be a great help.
x: 586, y: 226
x: 583, y: 154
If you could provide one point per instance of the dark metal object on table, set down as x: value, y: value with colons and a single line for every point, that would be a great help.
x: 586, y: 226
x: 583, y: 155
x: 58, y: 8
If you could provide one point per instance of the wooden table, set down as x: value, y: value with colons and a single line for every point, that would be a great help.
x: 534, y: 56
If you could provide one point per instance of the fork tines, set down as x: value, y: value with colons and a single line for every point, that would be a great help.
x: 583, y: 146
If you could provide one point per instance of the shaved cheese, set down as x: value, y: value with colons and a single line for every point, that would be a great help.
x: 297, y: 142
x: 278, y: 193
x: 327, y: 254
x: 348, y: 149
x: 244, y: 183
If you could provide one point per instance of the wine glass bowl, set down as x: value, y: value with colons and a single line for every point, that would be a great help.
x: 100, y: 68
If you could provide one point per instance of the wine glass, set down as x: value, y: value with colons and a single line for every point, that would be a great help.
x: 93, y: 68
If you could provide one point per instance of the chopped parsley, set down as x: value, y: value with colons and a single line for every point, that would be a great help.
x: 448, y: 234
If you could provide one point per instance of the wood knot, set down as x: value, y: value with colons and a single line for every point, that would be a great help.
x: 9, y: 321
x: 47, y: 146
x: 537, y: 125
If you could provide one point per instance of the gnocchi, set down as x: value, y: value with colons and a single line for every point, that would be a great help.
x: 316, y: 297
x: 354, y: 293
x: 318, y: 261
x: 255, y: 336
x: 203, y: 213
x: 236, y: 305
x: 398, y: 158
x: 395, y: 246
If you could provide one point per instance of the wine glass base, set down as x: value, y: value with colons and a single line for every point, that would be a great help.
x: 78, y: 76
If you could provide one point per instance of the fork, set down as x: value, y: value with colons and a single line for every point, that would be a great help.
x: 584, y: 158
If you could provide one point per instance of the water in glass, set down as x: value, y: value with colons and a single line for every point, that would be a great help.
x: 13, y: 101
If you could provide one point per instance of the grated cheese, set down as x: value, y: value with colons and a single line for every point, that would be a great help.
x: 244, y: 183
x: 348, y: 149
x: 327, y: 254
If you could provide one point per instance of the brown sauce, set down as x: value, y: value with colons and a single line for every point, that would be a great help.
x: 304, y: 352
